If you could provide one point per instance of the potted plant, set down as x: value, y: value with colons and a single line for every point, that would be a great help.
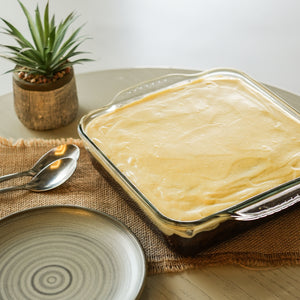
x: 45, y: 95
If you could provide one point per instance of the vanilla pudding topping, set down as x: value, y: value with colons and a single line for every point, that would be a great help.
x: 199, y: 148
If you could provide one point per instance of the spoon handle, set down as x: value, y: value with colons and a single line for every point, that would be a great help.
x: 13, y: 188
x: 15, y: 175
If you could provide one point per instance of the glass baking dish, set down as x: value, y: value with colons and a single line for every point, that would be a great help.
x: 190, y: 236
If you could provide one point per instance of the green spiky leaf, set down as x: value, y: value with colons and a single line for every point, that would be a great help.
x: 33, y: 28
x: 46, y: 23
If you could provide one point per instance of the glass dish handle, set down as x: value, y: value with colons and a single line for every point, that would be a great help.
x: 150, y: 86
x: 273, y: 202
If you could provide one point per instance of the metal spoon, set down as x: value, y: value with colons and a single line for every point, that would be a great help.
x: 62, y: 151
x: 48, y: 178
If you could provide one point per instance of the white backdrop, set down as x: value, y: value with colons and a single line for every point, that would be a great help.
x: 259, y: 37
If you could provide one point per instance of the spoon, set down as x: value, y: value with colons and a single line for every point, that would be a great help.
x: 62, y: 151
x: 48, y: 178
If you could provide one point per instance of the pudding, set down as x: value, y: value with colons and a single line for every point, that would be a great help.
x: 201, y: 147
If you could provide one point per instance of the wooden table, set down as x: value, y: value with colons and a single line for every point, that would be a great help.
x: 220, y: 282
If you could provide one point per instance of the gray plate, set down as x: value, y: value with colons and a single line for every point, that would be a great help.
x: 67, y: 252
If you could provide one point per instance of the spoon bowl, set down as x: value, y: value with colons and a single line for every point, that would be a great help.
x: 62, y: 151
x: 48, y: 178
x: 59, y: 152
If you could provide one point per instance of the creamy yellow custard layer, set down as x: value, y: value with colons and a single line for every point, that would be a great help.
x: 199, y: 148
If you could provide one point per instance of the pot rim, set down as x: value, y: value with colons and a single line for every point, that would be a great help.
x: 43, y: 86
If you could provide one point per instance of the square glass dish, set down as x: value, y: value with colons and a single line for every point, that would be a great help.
x: 202, y: 155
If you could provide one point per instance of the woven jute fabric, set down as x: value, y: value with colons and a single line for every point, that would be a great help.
x: 275, y: 243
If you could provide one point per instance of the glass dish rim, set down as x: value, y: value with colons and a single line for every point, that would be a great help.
x: 118, y: 100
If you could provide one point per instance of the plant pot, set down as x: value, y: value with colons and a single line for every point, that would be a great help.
x: 46, y: 106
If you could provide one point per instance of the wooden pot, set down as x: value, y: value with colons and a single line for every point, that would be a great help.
x: 46, y: 106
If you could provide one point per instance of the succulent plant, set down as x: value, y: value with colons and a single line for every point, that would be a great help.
x: 50, y: 50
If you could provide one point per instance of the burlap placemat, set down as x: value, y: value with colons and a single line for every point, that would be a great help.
x: 272, y: 244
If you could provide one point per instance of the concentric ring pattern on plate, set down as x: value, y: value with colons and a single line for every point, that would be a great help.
x: 66, y: 252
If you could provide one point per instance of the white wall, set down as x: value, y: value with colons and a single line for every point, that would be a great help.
x: 259, y: 37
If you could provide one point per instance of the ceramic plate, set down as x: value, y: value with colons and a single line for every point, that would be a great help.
x: 67, y: 252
